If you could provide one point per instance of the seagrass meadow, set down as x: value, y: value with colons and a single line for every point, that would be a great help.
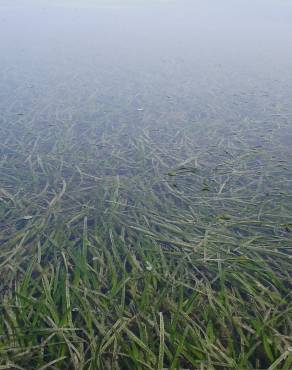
x: 145, y: 190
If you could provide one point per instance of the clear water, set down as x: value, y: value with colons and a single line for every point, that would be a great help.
x: 136, y: 89
x: 146, y: 180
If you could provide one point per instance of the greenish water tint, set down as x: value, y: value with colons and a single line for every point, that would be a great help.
x: 145, y: 186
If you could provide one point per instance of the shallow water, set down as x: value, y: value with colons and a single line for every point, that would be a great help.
x: 149, y: 86
x: 165, y: 125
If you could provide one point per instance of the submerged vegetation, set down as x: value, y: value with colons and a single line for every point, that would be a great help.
x: 145, y: 190
x: 149, y: 241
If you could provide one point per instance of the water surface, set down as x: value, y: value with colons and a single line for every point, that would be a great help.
x: 146, y: 138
